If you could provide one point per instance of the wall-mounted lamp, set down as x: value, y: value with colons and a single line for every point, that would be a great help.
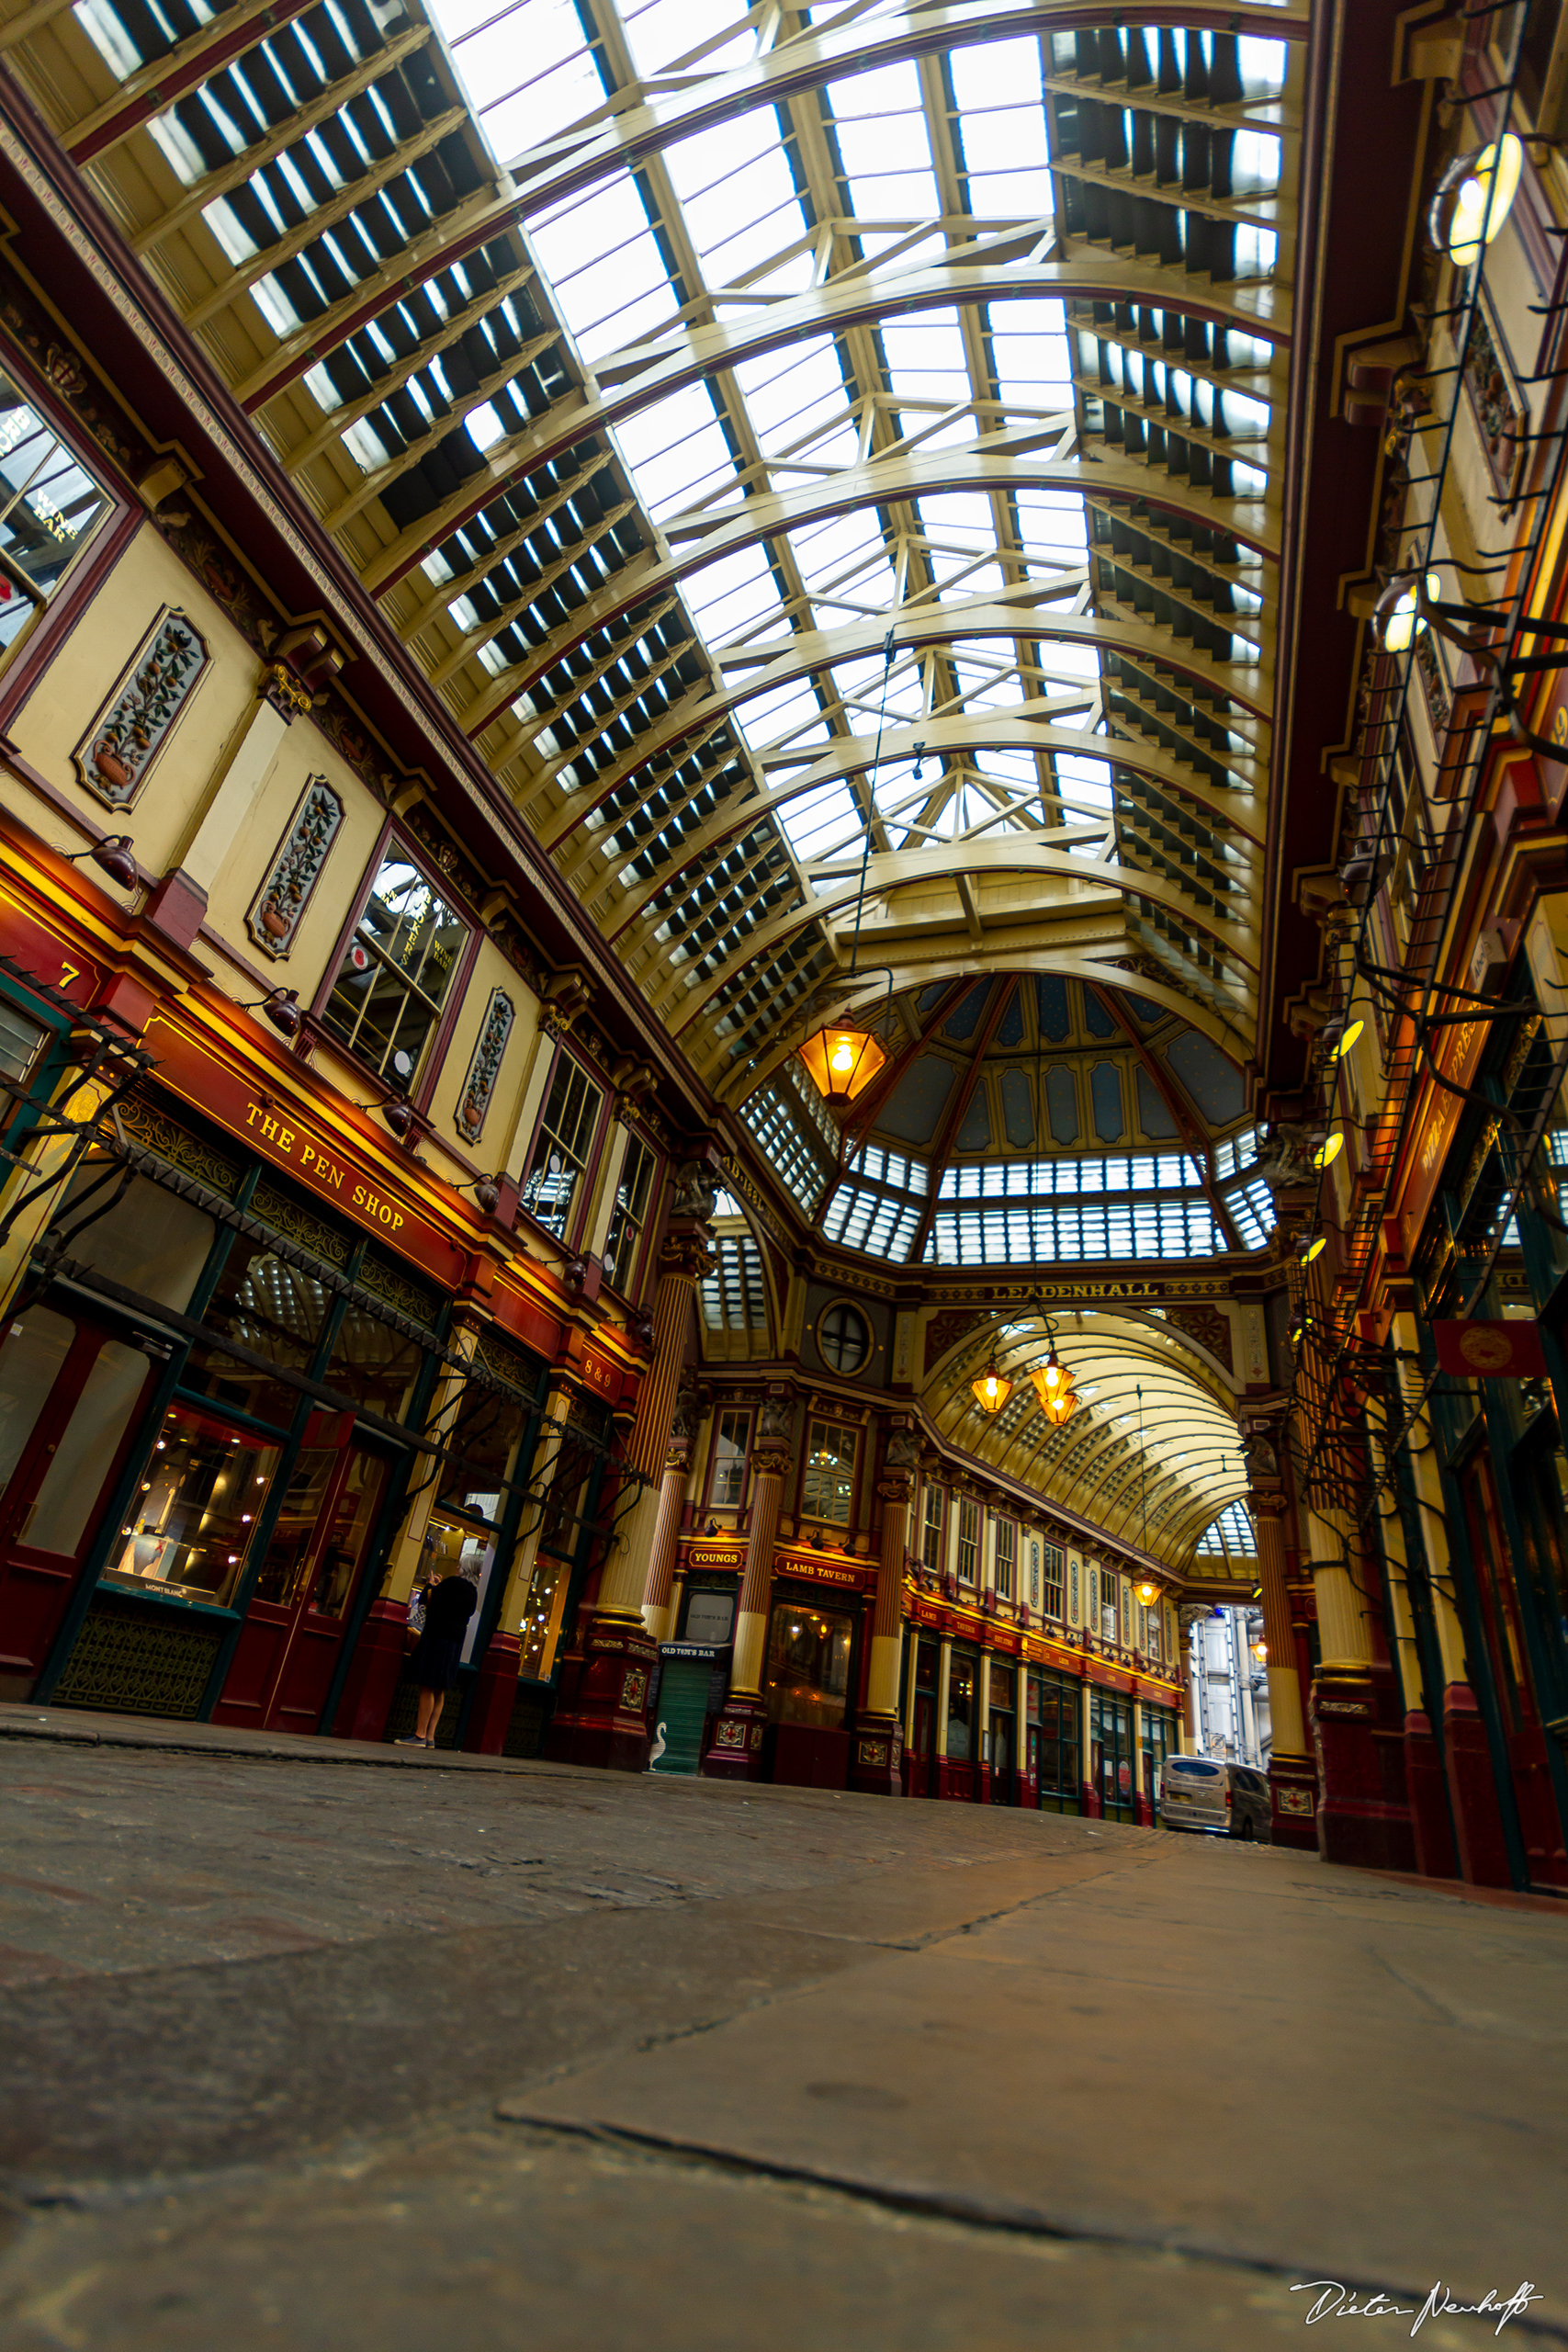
x: 112, y: 856
x: 486, y: 1191
x: 1474, y: 198
x: 281, y: 1007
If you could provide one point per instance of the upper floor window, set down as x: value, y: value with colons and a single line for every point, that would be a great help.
x: 829, y: 1486
x: 560, y: 1152
x: 48, y: 508
x: 932, y: 1529
x: 729, y: 1459
x: 1107, y: 1605
x: 397, y: 975
x: 633, y: 1195
x: 968, y: 1540
x: 1007, y: 1557
x: 1055, y: 1561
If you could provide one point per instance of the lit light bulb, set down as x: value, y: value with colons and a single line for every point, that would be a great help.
x: 1329, y: 1151
x: 1348, y: 1040
x: 1480, y: 209
x: 1314, y: 1248
x: 842, y: 1058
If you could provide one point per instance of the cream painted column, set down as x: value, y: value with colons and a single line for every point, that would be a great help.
x: 912, y: 1692
x: 981, y: 1748
x: 666, y: 1538
x: 770, y: 1467
x: 1345, y: 1641
x: 407, y: 1546
x: 943, y: 1700
x: 279, y: 700
x: 77, y: 1099
x: 683, y: 1260
x: 895, y: 1489
x: 520, y: 1576
x: 1269, y: 1508
x: 1086, y: 1737
x: 1138, y: 1789
x: 1191, y: 1736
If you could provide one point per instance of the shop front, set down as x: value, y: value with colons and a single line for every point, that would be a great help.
x: 1002, y: 1734
x: 214, y: 1405
x: 1161, y: 1737
x: 1112, y: 1757
x: 1056, y: 1712
x: 813, y: 1668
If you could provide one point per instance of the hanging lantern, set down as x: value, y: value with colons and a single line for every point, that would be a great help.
x: 1051, y: 1378
x: 992, y: 1388
x: 842, y: 1063
x: 1060, y: 1406
x: 1148, y: 1592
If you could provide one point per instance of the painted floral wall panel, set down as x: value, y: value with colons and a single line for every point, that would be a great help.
x: 485, y: 1067
x: 296, y: 870
x: 115, y: 755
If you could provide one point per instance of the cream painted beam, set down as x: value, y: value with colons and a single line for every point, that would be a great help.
x: 252, y: 159
x: 1258, y: 306
x: 261, y: 264
x: 941, y: 738
x: 1082, y: 883
x: 780, y: 661
x: 572, y: 163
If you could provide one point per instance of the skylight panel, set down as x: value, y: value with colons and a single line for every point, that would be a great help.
x: 730, y: 596
x: 676, y: 448
x: 667, y: 30
x: 605, y: 266
x: 523, y: 91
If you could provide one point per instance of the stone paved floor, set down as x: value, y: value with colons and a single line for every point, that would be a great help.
x: 296, y: 2054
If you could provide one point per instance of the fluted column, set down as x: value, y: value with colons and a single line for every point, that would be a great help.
x: 735, y: 1747
x: 683, y: 1262
x: 1191, y: 1730
x: 666, y: 1540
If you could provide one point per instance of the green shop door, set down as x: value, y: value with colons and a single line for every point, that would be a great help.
x: 688, y: 1674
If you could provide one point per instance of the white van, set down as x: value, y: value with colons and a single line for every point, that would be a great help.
x: 1225, y: 1800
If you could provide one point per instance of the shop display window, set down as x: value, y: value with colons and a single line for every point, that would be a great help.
x: 562, y: 1147
x: 22, y: 1041
x: 287, y: 1563
x: 961, y: 1710
x: 277, y: 1311
x: 147, y: 1240
x: 1004, y: 1680
x: 31, y: 1360
x: 451, y: 1549
x: 375, y: 1364
x: 1056, y: 1711
x: 482, y: 1452
x: 632, y: 1195
x: 968, y: 1541
x: 190, y: 1525
x: 397, y: 972
x: 565, y: 1533
x: 809, y: 1665
x: 827, y: 1483
x: 728, y: 1482
x: 49, y: 507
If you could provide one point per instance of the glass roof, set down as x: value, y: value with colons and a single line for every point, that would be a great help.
x: 824, y: 457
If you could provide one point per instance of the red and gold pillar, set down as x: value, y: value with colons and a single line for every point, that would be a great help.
x: 605, y: 1722
x: 735, y: 1747
x: 666, y: 1540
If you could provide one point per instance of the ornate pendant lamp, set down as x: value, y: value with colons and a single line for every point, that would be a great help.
x: 1148, y: 1592
x: 842, y: 1063
x: 992, y: 1388
x: 1053, y: 1383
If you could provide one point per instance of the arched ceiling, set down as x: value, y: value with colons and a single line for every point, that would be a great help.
x: 706, y: 394
x: 1151, y: 1470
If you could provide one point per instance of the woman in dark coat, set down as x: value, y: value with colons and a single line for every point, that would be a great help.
x: 447, y: 1609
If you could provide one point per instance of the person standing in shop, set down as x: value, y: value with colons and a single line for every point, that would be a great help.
x: 447, y: 1609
